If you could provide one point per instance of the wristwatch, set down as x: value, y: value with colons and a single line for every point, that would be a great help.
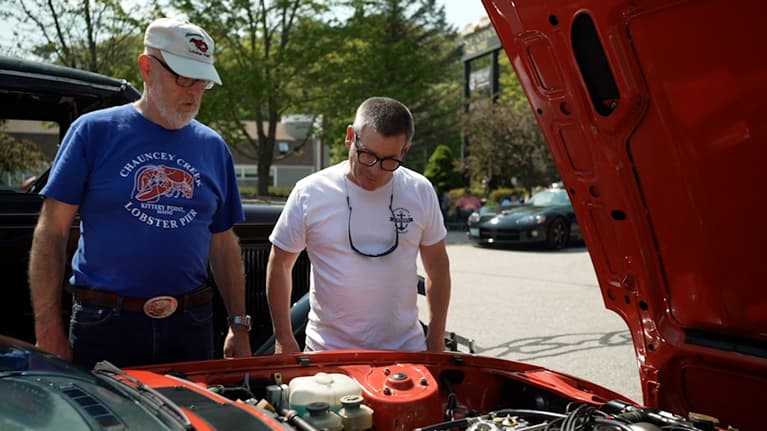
x: 240, y: 320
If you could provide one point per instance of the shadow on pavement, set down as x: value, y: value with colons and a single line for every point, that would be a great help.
x: 533, y: 348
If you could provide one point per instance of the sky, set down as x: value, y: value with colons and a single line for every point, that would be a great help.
x: 463, y: 12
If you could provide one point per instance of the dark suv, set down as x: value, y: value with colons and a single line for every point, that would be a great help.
x: 46, y: 99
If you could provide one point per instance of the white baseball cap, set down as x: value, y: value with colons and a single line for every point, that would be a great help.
x: 187, y: 48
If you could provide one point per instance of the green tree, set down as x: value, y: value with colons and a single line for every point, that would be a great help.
x: 95, y: 35
x: 441, y: 169
x: 505, y: 140
x: 267, y: 53
x: 18, y: 157
x: 505, y: 143
x: 402, y: 49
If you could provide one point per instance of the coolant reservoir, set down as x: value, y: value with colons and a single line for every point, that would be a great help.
x: 322, y: 418
x: 324, y: 387
x: 355, y: 415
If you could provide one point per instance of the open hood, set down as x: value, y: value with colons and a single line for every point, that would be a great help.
x: 654, y: 112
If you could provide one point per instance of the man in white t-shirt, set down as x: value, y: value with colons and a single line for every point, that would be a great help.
x: 363, y: 223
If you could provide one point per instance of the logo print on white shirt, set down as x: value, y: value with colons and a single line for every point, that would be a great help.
x: 401, y: 219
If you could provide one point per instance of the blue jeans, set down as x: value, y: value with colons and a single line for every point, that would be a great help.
x: 127, y: 338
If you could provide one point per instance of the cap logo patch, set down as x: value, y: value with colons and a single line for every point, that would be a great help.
x: 198, y: 42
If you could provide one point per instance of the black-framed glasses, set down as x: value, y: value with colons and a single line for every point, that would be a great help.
x: 394, y: 223
x: 369, y: 159
x: 183, y: 81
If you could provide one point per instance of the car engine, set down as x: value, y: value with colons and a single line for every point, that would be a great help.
x: 408, y: 397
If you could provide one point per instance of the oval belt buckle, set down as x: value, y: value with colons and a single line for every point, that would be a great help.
x: 160, y: 307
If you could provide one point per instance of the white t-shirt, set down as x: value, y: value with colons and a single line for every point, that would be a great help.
x: 360, y: 302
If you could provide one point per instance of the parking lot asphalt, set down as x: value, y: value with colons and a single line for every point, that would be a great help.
x: 539, y: 306
x: 457, y: 237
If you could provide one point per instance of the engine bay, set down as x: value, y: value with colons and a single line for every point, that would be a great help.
x: 449, y: 393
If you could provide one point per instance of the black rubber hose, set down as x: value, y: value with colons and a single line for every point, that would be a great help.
x: 526, y: 412
x: 292, y: 417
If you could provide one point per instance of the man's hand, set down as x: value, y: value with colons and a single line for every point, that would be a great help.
x: 435, y: 342
x: 237, y: 344
x: 288, y: 346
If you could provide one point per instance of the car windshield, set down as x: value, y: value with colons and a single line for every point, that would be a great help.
x: 546, y: 198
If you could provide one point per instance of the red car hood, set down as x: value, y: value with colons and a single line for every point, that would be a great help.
x: 654, y: 112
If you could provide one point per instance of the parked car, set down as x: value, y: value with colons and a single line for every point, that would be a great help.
x: 649, y: 114
x: 547, y: 218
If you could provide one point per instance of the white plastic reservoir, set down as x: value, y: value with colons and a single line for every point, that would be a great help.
x: 327, y: 387
x: 355, y: 416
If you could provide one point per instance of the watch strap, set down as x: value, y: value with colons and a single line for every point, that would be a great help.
x: 243, y: 320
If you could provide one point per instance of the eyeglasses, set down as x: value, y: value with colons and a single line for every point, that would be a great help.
x: 183, y: 81
x: 394, y: 223
x: 369, y: 159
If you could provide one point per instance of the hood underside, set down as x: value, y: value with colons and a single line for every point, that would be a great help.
x: 654, y: 114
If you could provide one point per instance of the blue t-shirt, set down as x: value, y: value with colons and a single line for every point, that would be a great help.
x: 150, y: 199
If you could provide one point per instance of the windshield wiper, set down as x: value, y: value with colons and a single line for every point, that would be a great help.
x: 107, y: 370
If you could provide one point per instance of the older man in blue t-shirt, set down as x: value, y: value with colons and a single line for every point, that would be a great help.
x: 157, y: 197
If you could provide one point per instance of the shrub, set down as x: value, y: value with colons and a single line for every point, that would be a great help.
x: 498, y: 194
x: 282, y: 191
x: 251, y: 192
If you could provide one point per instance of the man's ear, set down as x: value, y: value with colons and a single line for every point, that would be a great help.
x: 143, y: 67
x: 349, y: 136
x: 405, y: 150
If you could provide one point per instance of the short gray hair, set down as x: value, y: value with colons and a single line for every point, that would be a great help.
x: 386, y: 116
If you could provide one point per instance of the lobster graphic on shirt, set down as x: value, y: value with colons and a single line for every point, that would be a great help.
x: 153, y: 181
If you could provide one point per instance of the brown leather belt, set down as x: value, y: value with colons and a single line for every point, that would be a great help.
x: 87, y: 295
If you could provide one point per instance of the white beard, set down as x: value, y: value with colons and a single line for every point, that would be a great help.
x: 173, y: 119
